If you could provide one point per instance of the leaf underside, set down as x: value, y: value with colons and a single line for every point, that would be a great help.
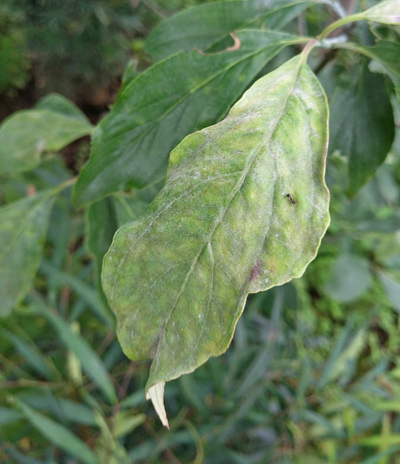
x: 223, y: 225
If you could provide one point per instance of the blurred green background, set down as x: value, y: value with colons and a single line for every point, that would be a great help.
x: 312, y: 375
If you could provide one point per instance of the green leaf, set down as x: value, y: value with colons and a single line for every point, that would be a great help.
x: 67, y: 409
x: 91, y: 363
x: 204, y: 25
x: 31, y: 354
x: 59, y: 435
x: 157, y: 110
x: 392, y: 289
x: 125, y: 422
x: 362, y: 126
x: 387, y: 406
x: 387, y: 12
x: 59, y: 104
x: 23, y: 228
x: 26, y: 134
x: 123, y: 210
x: 81, y: 288
x: 386, y: 55
x: 342, y: 362
x: 127, y: 207
x: 8, y: 416
x: 349, y: 278
x: 223, y: 226
x: 379, y: 458
x: 101, y: 225
x: 383, y: 441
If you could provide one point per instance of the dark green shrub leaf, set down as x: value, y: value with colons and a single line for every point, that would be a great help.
x: 59, y: 104
x: 223, y: 226
x: 362, y: 126
x: 23, y: 228
x: 157, y: 110
x: 386, y: 54
x: 204, y: 25
x: 386, y: 12
x: 26, y: 134
x: 101, y: 225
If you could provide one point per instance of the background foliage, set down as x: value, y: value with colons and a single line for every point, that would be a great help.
x: 312, y: 374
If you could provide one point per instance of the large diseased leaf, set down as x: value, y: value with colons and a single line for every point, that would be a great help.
x: 23, y: 228
x: 156, y: 111
x: 362, y: 126
x: 25, y: 135
x: 204, y: 25
x: 223, y: 226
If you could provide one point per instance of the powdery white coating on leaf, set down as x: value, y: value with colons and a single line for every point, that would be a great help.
x: 223, y: 226
x: 387, y: 12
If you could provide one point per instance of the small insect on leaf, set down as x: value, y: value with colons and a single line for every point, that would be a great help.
x: 291, y: 199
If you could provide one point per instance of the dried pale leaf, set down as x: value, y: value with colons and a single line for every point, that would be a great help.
x: 156, y: 395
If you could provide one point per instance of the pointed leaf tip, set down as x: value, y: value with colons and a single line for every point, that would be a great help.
x: 156, y: 395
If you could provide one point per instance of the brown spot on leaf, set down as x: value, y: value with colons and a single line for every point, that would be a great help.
x: 236, y: 46
x: 256, y: 270
x: 272, y: 269
x: 236, y: 43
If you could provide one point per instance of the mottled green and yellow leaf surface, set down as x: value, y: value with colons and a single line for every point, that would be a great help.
x: 244, y: 208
